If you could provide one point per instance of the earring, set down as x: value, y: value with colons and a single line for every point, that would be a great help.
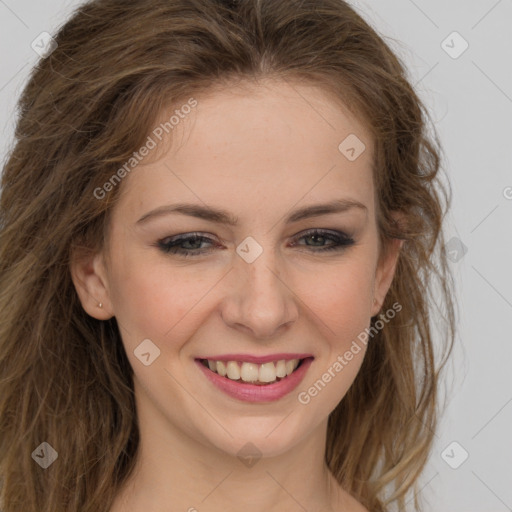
x: 100, y: 305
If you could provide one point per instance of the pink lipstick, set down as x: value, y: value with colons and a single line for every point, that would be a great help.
x: 260, y: 392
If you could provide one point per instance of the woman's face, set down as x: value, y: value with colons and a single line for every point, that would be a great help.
x: 260, y: 289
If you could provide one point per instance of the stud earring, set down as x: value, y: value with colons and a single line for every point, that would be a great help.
x: 100, y: 305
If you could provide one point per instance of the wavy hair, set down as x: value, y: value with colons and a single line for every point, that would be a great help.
x: 64, y: 376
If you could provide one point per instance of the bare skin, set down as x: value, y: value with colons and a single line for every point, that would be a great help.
x: 260, y: 153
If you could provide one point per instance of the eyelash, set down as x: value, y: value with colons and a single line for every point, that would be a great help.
x: 170, y: 245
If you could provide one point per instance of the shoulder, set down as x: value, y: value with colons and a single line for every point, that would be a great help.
x: 350, y: 504
x: 353, y: 506
x: 357, y: 507
x: 343, y: 501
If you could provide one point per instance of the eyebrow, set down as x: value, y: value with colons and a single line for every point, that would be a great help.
x: 224, y: 217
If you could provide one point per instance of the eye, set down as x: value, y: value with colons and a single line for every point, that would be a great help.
x: 189, y: 245
x: 192, y: 241
x: 339, y: 240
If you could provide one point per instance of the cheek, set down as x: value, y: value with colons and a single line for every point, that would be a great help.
x: 151, y: 300
x: 341, y: 296
x: 343, y: 311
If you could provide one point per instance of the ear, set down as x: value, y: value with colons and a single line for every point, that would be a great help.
x: 89, y: 275
x: 385, y: 271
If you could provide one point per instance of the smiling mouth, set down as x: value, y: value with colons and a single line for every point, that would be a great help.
x: 251, y: 373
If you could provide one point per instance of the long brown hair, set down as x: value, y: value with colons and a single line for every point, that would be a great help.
x: 64, y: 376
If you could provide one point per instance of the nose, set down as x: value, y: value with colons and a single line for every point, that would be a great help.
x: 258, y: 300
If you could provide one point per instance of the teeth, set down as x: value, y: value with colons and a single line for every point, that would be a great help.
x: 256, y: 373
x: 290, y: 366
x: 281, y: 368
x: 267, y: 372
x: 221, y: 368
x: 233, y: 370
x: 249, y: 372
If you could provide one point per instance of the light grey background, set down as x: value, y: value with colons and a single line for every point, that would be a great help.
x: 470, y: 98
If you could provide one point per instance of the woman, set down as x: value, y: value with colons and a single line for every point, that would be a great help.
x: 221, y: 231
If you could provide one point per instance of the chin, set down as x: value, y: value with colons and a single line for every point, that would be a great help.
x: 257, y: 436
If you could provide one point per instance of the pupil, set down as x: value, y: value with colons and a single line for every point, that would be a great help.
x: 316, y: 237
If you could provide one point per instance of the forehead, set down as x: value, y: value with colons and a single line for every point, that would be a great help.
x: 248, y: 114
x: 280, y: 141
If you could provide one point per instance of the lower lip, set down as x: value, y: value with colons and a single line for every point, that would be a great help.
x: 257, y: 393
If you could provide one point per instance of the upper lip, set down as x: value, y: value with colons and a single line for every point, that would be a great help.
x: 256, y: 359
